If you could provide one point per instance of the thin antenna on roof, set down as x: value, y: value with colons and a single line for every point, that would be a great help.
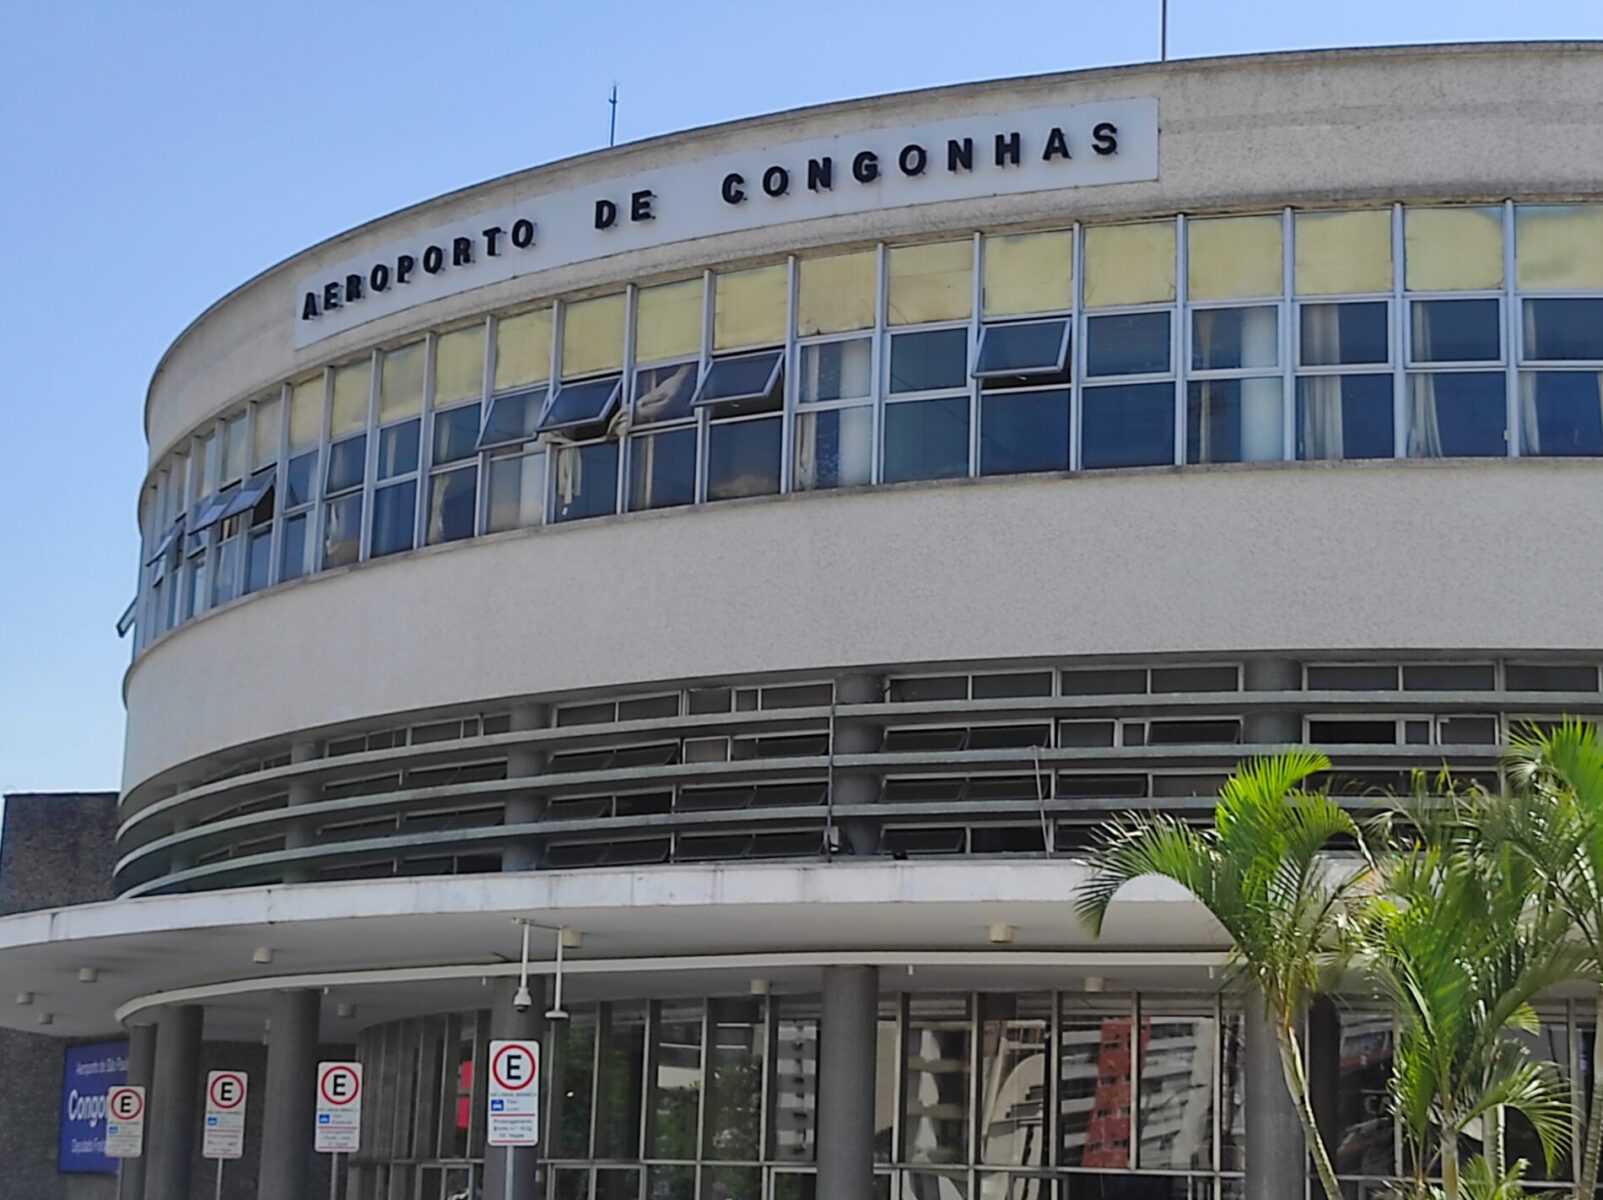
x: 612, y: 133
x: 1163, y: 37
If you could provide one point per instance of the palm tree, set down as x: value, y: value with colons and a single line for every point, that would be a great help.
x: 1461, y: 937
x: 1259, y: 870
x: 1557, y: 822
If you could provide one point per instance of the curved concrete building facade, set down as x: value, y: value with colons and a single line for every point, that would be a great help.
x: 760, y: 556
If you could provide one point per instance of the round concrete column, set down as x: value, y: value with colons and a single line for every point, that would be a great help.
x: 174, y: 1102
x: 507, y: 1022
x: 1277, y: 1159
x: 1272, y: 675
x: 300, y: 833
x: 848, y: 1039
x: 141, y: 1064
x: 287, y: 1114
x: 856, y: 736
x: 523, y: 854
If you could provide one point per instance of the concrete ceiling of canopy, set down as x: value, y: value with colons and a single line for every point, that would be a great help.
x: 332, y: 932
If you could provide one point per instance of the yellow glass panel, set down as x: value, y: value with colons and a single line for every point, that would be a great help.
x: 1129, y: 264
x: 305, y: 413
x: 930, y: 283
x: 1343, y: 252
x: 1558, y: 246
x: 592, y: 335
x: 198, y: 480
x: 668, y: 321
x: 351, y: 385
x: 459, y: 366
x: 523, y: 349
x: 1028, y: 273
x: 269, y: 424
x: 1230, y: 258
x: 400, y: 382
x: 836, y: 294
x: 1452, y: 249
x: 749, y: 307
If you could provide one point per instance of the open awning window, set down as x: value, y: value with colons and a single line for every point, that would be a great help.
x: 576, y: 405
x: 249, y: 496
x: 1024, y: 349
x: 744, y: 380
x: 513, y: 416
x: 166, y: 542
x: 126, y: 621
x: 209, y: 512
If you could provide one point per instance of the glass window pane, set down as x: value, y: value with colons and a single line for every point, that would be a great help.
x: 394, y: 518
x: 1344, y: 334
x: 836, y: 294
x: 1561, y: 412
x: 1024, y: 431
x: 794, y: 1102
x: 619, y: 1089
x: 400, y: 382
x: 1453, y: 249
x: 1563, y: 330
x: 837, y: 370
x: 749, y: 307
x: 514, y: 417
x: 1550, y: 1044
x: 592, y: 335
x: 1015, y: 1049
x: 517, y: 492
x: 1232, y: 1095
x: 306, y: 413
x: 1344, y: 416
x: 930, y: 360
x: 1343, y: 252
x: 351, y: 385
x: 1028, y: 273
x: 1129, y: 264
x: 571, y: 1069
x: 742, y: 378
x: 617, y: 1183
x: 456, y: 433
x: 258, y: 558
x: 671, y: 1183
x: 1094, y: 1091
x: 1229, y: 339
x: 578, y: 404
x: 1127, y: 344
x: 1028, y: 348
x: 227, y: 571
x: 933, y: 1185
x: 1234, y: 257
x: 586, y: 481
x: 459, y: 366
x: 453, y: 498
x: 236, y: 448
x: 1131, y: 425
x: 936, y: 1113
x: 676, y: 1083
x: 662, y: 469
x: 1456, y: 331
x: 834, y: 448
x: 1234, y: 420
x: 342, y: 531
x: 668, y: 321
x: 523, y: 349
x: 733, y: 1125
x: 926, y: 439
x: 397, y: 449
x: 347, y: 464
x: 743, y: 458
x: 200, y: 481
x: 1176, y: 1100
x: 300, y: 480
x: 933, y: 282
x: 664, y: 393
x: 1363, y: 1139
x: 1558, y: 247
x: 269, y: 424
x: 294, y: 549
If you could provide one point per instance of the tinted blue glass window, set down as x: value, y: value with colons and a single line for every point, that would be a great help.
x: 456, y: 433
x: 1024, y: 431
x: 579, y: 404
x: 1458, y: 414
x: 512, y: 417
x: 294, y: 552
x: 1127, y: 344
x: 743, y: 458
x: 745, y: 378
x: 1557, y: 330
x: 258, y: 558
x: 1344, y: 416
x: 1131, y: 425
x: 1456, y: 331
x: 1227, y: 339
x: 1234, y: 420
x: 347, y: 463
x: 300, y: 480
x: 664, y: 393
x: 342, y: 531
x: 453, y: 497
x: 1562, y: 412
x: 586, y: 481
x: 394, y: 518
x: 929, y: 361
x: 662, y: 469
x: 397, y: 449
x: 1344, y: 334
x: 926, y: 439
x: 1028, y: 349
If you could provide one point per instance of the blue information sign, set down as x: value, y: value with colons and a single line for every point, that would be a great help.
x: 88, y: 1073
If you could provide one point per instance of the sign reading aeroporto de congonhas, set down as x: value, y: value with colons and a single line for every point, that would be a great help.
x: 967, y: 158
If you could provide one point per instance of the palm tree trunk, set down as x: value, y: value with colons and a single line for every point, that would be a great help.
x: 1450, y: 1164
x: 1586, y: 1185
x: 1297, y: 1085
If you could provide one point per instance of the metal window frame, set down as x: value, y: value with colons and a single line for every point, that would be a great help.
x: 603, y: 414
x: 978, y: 370
x: 701, y: 401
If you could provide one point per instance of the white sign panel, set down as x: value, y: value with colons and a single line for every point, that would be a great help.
x: 513, y: 1094
x: 339, y: 1108
x: 223, y: 1135
x: 965, y: 158
x: 125, y: 1122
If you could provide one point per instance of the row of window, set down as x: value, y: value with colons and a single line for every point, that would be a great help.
x: 1389, y: 332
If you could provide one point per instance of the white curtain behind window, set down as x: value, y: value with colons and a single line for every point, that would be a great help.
x: 1424, y: 423
x: 1321, y: 422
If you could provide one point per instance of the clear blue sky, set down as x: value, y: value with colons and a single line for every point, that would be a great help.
x: 154, y: 156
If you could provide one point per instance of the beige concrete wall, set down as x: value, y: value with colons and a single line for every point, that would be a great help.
x: 1465, y: 122
x: 1406, y: 556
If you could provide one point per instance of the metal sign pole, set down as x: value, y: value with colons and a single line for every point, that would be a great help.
x: 512, y: 1162
x: 334, y: 1176
x: 219, y: 1179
